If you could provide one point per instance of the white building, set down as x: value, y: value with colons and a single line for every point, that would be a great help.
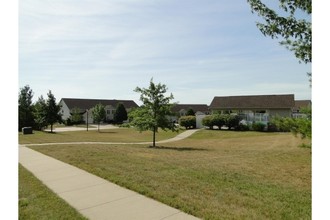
x: 85, y: 107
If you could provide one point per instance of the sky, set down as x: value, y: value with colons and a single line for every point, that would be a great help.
x: 104, y: 49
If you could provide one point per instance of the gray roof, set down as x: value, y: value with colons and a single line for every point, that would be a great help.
x: 253, y: 102
x: 90, y: 103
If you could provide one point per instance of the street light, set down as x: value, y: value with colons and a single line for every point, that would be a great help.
x: 87, y: 119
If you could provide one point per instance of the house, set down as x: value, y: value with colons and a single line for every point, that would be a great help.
x: 182, y: 109
x: 299, y: 106
x: 255, y: 108
x: 85, y: 106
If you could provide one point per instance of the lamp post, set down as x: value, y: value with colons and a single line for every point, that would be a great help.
x: 87, y: 118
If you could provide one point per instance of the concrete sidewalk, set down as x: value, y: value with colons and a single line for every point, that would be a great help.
x: 93, y: 196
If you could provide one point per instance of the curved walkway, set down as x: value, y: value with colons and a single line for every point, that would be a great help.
x: 93, y: 196
x: 181, y: 136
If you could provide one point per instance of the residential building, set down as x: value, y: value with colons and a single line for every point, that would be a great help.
x: 255, y: 108
x: 181, y: 109
x: 299, y: 106
x: 86, y: 105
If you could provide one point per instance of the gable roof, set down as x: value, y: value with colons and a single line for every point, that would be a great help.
x: 253, y: 102
x: 90, y: 103
x: 301, y: 104
x: 195, y: 107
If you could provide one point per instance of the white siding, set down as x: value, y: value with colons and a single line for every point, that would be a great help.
x: 65, y: 111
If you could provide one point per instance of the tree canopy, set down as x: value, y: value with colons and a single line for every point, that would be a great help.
x: 40, y: 108
x: 98, y: 114
x: 154, y: 112
x: 53, y: 114
x: 297, y: 33
x: 25, y: 108
x: 120, y: 113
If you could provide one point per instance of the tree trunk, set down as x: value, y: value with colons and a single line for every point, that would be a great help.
x: 154, y: 138
x: 51, y: 128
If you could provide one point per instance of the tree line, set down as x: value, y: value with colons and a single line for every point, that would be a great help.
x: 44, y: 113
x: 38, y: 115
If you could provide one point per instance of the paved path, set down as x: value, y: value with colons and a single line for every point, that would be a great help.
x: 93, y: 196
x: 181, y: 136
x: 74, y: 128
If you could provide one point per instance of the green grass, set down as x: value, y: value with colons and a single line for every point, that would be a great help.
x: 36, y: 201
x: 212, y: 174
x: 126, y: 135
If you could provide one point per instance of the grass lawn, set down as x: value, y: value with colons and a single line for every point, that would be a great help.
x: 212, y: 174
x: 36, y: 201
x: 125, y: 135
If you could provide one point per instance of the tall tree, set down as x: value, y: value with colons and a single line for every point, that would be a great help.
x: 154, y: 112
x: 297, y: 33
x: 40, y: 113
x: 120, y: 113
x: 53, y: 114
x: 99, y: 114
x: 25, y: 108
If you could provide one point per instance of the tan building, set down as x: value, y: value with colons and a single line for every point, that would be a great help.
x: 255, y: 108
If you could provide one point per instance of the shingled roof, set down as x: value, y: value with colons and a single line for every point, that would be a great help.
x: 301, y: 104
x: 90, y: 103
x: 253, y: 102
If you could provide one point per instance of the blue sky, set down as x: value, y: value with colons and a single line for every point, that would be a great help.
x: 105, y: 48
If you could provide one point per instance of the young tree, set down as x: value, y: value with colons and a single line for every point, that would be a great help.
x: 99, y: 114
x: 40, y: 109
x: 297, y: 33
x: 25, y: 107
x: 120, y: 114
x: 53, y: 114
x: 76, y: 116
x: 152, y: 115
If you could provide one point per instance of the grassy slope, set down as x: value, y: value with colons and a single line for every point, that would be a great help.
x: 212, y: 175
x: 36, y: 201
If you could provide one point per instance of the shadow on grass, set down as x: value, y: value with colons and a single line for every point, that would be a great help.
x: 108, y: 132
x: 178, y: 148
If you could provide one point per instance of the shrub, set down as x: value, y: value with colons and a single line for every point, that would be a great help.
x: 271, y: 127
x: 242, y: 127
x: 219, y: 120
x: 188, y: 122
x: 258, y: 126
x: 232, y: 121
x: 208, y: 121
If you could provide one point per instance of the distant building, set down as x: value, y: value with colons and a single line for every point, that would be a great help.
x: 299, y: 106
x: 86, y: 105
x: 255, y: 108
x: 181, y: 109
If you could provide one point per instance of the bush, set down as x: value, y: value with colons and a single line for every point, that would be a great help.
x: 232, y: 121
x: 271, y: 127
x: 188, y: 122
x: 258, y: 126
x: 242, y: 127
x: 219, y: 120
x: 208, y: 121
